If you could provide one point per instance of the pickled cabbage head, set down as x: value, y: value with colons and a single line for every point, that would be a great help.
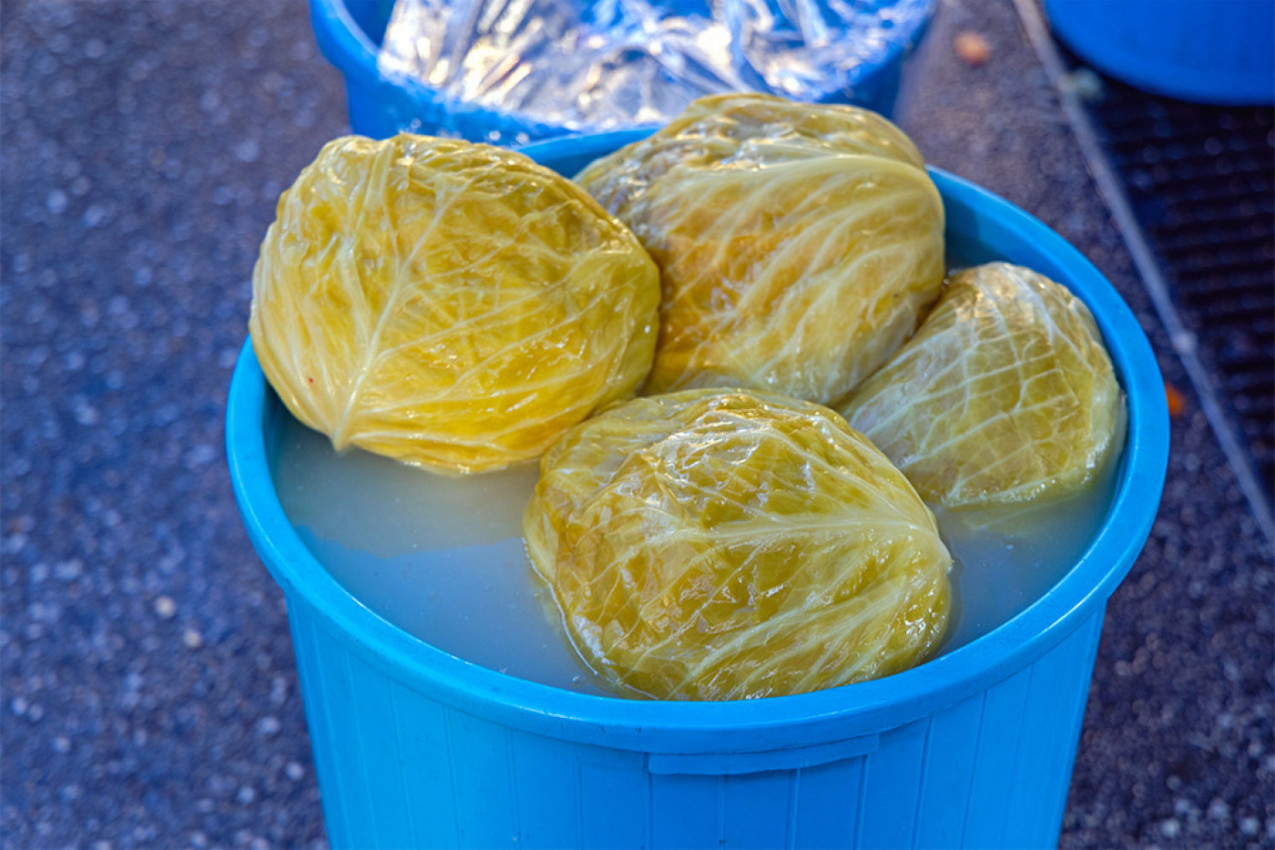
x: 798, y: 244
x: 1005, y: 395
x: 712, y: 544
x: 451, y: 305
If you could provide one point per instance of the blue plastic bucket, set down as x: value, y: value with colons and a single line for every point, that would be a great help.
x: 415, y: 747
x: 349, y: 32
x: 1211, y: 51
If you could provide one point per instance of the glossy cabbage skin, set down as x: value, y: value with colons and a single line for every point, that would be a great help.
x: 713, y: 545
x: 798, y: 244
x: 1005, y: 395
x: 451, y: 305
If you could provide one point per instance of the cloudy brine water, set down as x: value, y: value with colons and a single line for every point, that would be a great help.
x: 443, y: 558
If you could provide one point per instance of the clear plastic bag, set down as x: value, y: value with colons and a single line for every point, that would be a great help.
x: 577, y: 65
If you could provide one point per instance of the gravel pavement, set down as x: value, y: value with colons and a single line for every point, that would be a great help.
x: 147, y: 691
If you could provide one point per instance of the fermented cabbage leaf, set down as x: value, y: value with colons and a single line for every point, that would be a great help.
x: 1005, y: 395
x: 709, y: 545
x: 451, y: 305
x: 798, y: 244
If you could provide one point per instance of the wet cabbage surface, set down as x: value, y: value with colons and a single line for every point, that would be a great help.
x: 798, y: 244
x: 714, y: 544
x: 451, y: 305
x: 1005, y: 395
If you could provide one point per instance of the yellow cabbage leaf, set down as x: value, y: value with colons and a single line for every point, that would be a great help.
x: 711, y: 545
x: 798, y: 244
x: 451, y: 305
x: 1005, y: 395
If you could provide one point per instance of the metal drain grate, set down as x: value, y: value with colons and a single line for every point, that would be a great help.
x: 1201, y: 180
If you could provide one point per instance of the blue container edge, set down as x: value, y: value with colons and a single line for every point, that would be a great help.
x: 756, y: 725
x: 1091, y: 31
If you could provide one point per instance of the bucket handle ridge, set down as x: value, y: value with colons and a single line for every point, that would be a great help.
x: 719, y: 764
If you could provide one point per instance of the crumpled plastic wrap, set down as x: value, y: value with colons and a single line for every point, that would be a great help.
x: 709, y: 545
x: 451, y: 305
x: 1006, y: 394
x: 798, y: 244
x: 577, y: 65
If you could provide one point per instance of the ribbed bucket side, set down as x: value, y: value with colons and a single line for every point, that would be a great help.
x: 398, y: 768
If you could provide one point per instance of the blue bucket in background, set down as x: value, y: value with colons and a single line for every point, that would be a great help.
x: 349, y: 33
x: 415, y: 747
x: 1209, y: 51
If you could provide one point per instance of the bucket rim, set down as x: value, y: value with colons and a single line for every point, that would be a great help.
x: 760, y: 724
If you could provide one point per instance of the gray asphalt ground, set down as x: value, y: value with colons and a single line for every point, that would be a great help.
x: 149, y: 697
